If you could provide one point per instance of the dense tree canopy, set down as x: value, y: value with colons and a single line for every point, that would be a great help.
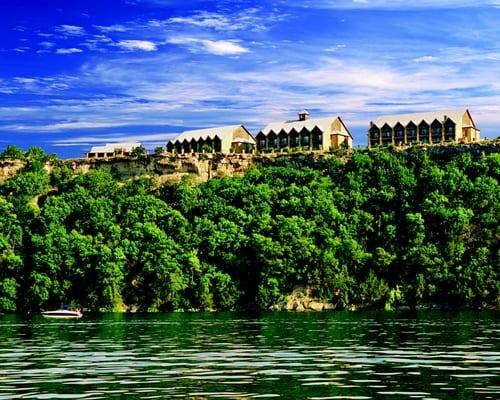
x: 382, y: 229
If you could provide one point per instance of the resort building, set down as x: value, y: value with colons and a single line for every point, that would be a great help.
x: 305, y: 133
x: 225, y: 139
x: 112, y: 150
x: 430, y: 127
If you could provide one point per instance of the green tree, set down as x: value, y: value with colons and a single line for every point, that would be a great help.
x: 12, y: 151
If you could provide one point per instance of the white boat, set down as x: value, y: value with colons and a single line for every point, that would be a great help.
x: 62, y: 314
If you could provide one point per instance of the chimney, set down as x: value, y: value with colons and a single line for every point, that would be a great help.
x: 303, y: 115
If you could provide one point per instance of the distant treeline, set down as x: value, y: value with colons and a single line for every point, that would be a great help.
x: 380, y: 230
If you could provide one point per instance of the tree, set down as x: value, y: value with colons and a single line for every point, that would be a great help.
x: 138, y: 151
x: 12, y: 151
x: 159, y: 150
x: 11, y: 262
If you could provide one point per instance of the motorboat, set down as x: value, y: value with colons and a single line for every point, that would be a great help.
x: 62, y: 313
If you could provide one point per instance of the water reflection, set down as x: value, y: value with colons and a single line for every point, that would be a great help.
x: 295, y: 356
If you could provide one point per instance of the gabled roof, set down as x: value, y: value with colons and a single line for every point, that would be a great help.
x: 309, y: 124
x: 210, y: 133
x: 429, y: 117
x: 111, y: 147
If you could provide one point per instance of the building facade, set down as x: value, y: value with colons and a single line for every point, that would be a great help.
x: 305, y: 133
x: 451, y: 126
x: 112, y: 150
x: 225, y: 139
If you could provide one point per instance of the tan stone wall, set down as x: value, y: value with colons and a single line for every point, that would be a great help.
x: 9, y: 168
x: 169, y: 166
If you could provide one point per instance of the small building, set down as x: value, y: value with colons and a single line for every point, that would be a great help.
x: 306, y: 133
x: 224, y: 139
x: 112, y: 150
x: 430, y: 127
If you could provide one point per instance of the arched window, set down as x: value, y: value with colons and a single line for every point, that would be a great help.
x: 294, y: 138
x: 411, y: 133
x: 217, y: 144
x: 374, y: 136
x: 399, y: 134
x: 283, y: 139
x: 423, y: 132
x: 194, y: 145
x: 305, y: 138
x: 449, y: 130
x: 272, y: 139
x: 209, y: 145
x: 317, y: 138
x: 436, y: 131
x: 386, y: 134
x: 261, y: 141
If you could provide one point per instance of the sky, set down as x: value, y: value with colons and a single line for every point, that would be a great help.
x: 87, y: 72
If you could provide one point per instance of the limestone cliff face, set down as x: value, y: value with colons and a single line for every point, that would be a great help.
x: 9, y: 168
x: 168, y: 167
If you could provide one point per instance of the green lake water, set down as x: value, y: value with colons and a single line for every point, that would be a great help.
x: 338, y: 355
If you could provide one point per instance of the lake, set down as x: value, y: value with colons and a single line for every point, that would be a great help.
x: 337, y: 355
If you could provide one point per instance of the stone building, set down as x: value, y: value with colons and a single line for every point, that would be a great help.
x: 112, y: 150
x: 225, y: 139
x: 305, y: 133
x: 430, y: 127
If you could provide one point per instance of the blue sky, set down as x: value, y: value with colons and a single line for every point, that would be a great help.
x: 78, y: 73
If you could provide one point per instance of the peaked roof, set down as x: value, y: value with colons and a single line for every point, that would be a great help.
x: 210, y: 133
x: 111, y: 147
x: 417, y: 118
x: 310, y: 123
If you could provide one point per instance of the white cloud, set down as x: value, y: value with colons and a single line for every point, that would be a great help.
x: 47, y: 45
x: 250, y: 19
x: 70, y: 30
x: 425, y: 59
x: 147, y: 140
x: 71, y: 50
x: 216, y: 47
x: 97, y: 43
x: 336, y: 48
x: 223, y: 47
x: 63, y: 126
x: 205, y: 20
x: 112, y: 28
x: 393, y: 4
x: 132, y: 45
x: 25, y: 81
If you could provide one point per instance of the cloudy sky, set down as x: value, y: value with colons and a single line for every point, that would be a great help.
x: 83, y: 72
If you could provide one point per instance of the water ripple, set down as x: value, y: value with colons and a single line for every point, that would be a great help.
x: 209, y: 356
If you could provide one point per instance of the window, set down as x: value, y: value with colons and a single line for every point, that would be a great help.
x: 284, y: 141
x: 262, y: 143
x: 305, y: 139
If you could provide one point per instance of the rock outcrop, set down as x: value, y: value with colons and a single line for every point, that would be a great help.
x: 302, y: 300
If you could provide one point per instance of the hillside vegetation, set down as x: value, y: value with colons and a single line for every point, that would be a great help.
x: 380, y: 230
